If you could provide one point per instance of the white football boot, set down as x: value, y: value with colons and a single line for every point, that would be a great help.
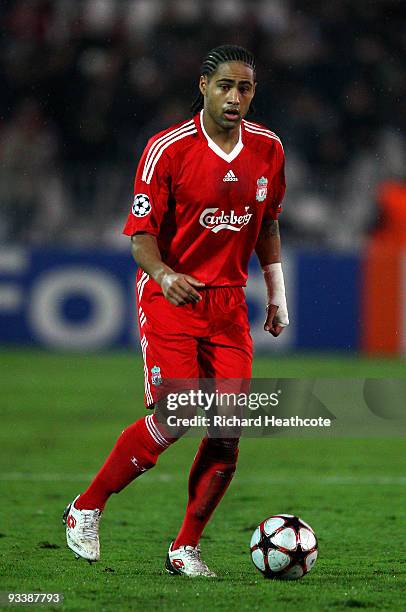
x: 186, y: 561
x: 82, y: 531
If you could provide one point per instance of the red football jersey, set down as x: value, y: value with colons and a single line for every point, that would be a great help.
x: 206, y: 206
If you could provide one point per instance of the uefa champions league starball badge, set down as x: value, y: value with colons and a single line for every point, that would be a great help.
x: 156, y: 377
x: 262, y: 188
x: 141, y: 206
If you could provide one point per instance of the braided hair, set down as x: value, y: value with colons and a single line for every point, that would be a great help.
x: 217, y: 56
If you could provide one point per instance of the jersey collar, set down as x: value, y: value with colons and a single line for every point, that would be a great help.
x: 228, y: 157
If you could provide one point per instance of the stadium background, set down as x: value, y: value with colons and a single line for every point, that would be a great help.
x: 82, y: 86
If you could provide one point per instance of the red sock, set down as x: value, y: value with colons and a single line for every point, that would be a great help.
x: 136, y: 450
x: 211, y: 473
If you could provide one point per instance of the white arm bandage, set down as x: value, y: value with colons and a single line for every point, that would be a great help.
x: 275, y: 286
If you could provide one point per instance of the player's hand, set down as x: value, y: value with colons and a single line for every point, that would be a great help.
x: 271, y: 324
x: 179, y: 288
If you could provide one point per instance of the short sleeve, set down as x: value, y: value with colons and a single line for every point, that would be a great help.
x: 151, y: 193
x: 278, y: 185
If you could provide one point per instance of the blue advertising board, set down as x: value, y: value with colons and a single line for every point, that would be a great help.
x: 84, y: 300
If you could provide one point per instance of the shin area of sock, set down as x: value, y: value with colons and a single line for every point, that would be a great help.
x: 137, y: 450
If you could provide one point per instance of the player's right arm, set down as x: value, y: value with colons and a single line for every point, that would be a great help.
x: 177, y: 288
x: 151, y: 194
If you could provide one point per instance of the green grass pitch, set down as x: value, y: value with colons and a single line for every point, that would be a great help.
x: 60, y: 415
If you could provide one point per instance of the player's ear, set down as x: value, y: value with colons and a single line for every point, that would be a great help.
x: 254, y: 89
x: 203, y: 84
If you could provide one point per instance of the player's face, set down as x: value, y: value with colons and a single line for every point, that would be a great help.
x: 228, y: 93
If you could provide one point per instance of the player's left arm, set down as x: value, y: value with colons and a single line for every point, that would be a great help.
x: 268, y: 250
x: 268, y: 247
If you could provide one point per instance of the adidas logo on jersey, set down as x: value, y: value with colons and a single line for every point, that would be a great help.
x: 230, y: 176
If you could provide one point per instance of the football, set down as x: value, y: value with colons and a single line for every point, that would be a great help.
x: 284, y: 547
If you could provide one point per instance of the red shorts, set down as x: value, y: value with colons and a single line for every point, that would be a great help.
x: 210, y: 339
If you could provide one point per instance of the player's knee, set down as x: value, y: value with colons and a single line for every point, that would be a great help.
x: 175, y: 423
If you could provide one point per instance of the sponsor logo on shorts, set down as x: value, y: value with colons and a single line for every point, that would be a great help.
x: 216, y: 220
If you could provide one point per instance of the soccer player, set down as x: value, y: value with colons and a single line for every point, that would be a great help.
x: 208, y: 192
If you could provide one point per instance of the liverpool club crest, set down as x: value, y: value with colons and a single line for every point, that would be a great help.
x: 262, y: 188
x: 156, y: 377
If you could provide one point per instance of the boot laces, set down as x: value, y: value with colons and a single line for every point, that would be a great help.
x: 193, y: 556
x: 90, y: 523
